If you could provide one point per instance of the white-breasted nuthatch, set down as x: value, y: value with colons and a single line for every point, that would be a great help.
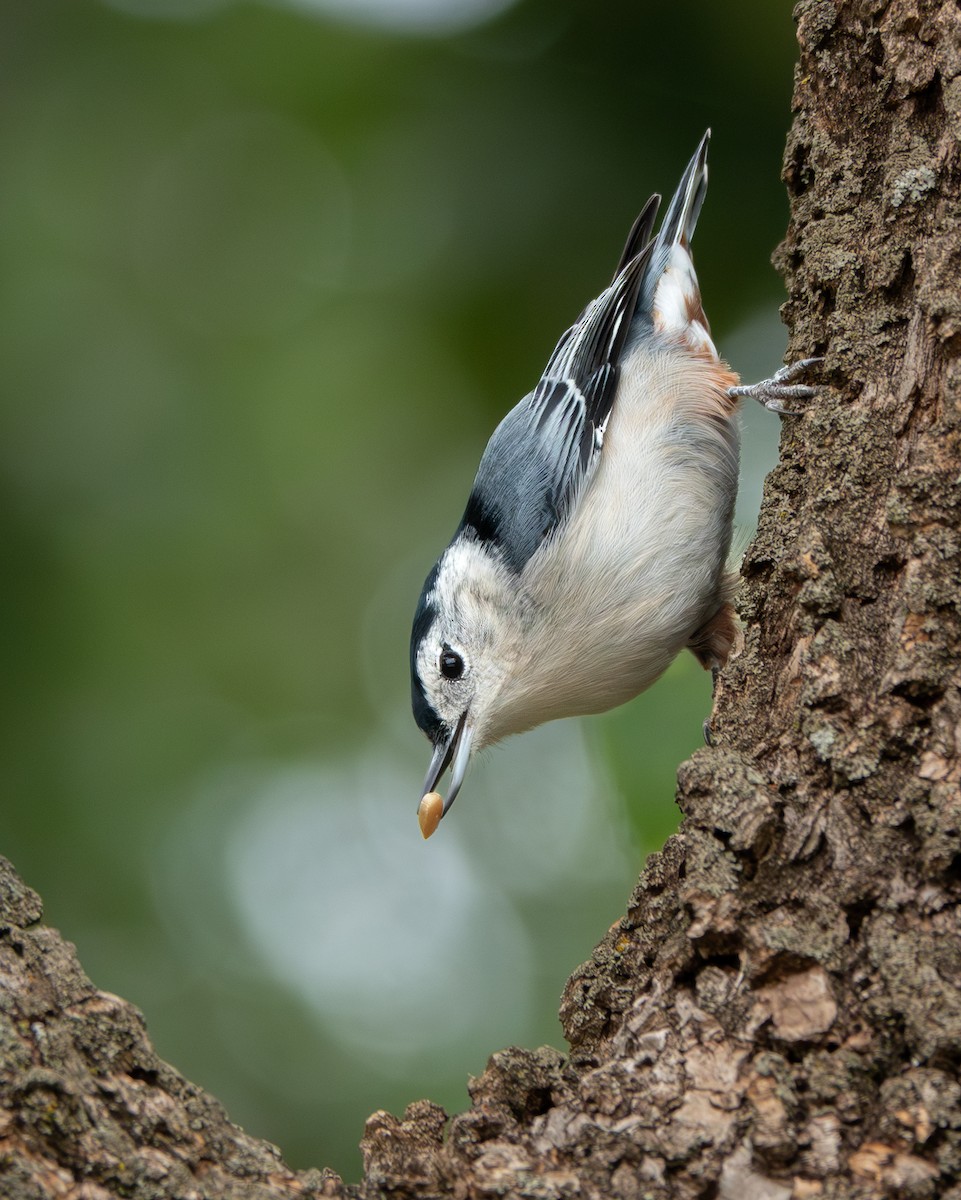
x: 595, y: 541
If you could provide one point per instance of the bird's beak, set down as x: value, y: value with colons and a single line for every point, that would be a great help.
x: 453, y: 749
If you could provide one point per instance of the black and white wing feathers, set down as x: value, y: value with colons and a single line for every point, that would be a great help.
x: 545, y: 448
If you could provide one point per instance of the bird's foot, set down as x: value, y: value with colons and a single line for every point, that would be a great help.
x: 780, y: 387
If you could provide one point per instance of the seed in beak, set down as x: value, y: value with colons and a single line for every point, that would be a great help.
x: 429, y: 812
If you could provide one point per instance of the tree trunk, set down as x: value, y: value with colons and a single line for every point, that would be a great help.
x: 779, y: 1012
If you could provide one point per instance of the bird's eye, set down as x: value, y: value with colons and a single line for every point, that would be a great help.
x: 451, y: 663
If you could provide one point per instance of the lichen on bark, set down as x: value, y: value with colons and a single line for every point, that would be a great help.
x: 778, y: 1014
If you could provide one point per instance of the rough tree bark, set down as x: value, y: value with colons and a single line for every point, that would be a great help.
x: 779, y: 1013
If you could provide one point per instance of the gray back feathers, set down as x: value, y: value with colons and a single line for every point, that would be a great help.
x: 546, y: 448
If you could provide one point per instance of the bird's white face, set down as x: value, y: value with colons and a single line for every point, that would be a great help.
x: 461, y: 655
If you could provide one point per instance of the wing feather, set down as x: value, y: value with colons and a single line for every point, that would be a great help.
x: 546, y: 449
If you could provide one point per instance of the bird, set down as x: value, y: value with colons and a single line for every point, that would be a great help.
x: 595, y: 542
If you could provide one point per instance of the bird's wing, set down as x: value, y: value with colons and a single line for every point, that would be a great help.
x: 547, y: 446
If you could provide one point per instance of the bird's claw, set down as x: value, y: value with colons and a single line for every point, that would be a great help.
x: 706, y: 726
x: 771, y: 392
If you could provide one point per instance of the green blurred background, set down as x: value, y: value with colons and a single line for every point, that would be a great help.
x: 270, y: 275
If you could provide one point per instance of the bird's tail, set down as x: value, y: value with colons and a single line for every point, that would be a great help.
x: 670, y: 299
x: 685, y: 207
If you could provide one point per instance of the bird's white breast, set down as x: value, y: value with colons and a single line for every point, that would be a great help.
x: 640, y: 563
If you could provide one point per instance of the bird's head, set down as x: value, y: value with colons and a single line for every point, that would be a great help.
x: 463, y: 651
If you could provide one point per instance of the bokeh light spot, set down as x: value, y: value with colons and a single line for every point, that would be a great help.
x: 422, y: 17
